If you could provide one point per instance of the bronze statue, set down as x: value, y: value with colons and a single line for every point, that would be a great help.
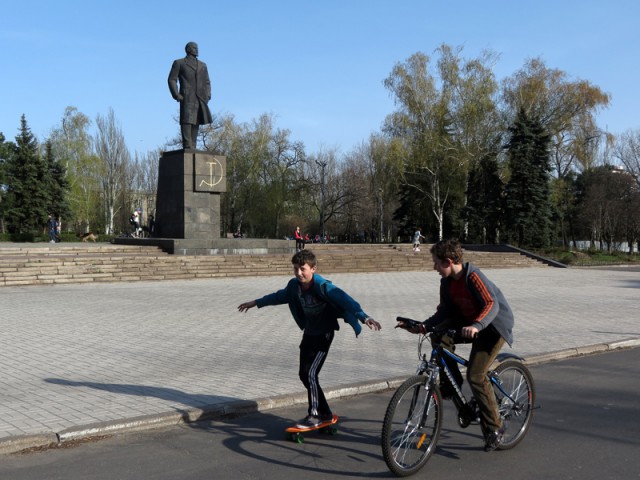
x: 193, y: 94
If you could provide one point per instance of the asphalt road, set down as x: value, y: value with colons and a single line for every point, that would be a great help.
x: 586, y: 428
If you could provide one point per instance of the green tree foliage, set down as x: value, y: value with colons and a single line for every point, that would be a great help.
x: 28, y: 196
x: 483, y: 211
x: 563, y: 198
x: 447, y: 118
x: 527, y: 206
x: 565, y: 108
x: 438, y: 162
x: 7, y: 149
x: 58, y: 186
x: 631, y: 211
x: 421, y: 121
x: 71, y: 142
x: 264, y: 168
x: 226, y: 137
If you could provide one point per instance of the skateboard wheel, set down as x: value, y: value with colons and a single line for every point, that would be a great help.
x: 296, y: 437
x: 329, y: 430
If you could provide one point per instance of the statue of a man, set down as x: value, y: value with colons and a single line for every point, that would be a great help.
x: 193, y: 94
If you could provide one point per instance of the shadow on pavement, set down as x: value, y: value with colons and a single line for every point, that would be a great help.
x: 168, y: 394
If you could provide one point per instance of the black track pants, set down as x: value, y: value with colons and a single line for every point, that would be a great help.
x: 313, y: 353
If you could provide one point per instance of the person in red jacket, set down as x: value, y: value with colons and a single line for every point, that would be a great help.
x: 299, y: 239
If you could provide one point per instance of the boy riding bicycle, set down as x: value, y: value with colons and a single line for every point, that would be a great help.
x: 473, y: 304
x: 316, y: 304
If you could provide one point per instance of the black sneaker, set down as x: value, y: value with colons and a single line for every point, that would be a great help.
x: 310, y: 421
x: 326, y: 417
x: 493, y: 440
x: 447, y: 391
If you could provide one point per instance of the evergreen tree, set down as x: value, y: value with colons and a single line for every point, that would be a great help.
x: 527, y: 207
x: 58, y: 185
x: 27, y: 185
x: 6, y: 151
x: 484, y: 202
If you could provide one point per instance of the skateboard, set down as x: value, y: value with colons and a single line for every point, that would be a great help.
x: 295, y: 433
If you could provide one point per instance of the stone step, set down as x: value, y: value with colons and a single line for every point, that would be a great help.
x: 109, y: 263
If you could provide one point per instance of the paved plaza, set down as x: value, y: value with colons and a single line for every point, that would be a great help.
x: 82, y: 360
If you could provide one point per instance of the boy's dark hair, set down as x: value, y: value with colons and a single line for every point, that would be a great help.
x: 448, y: 249
x: 304, y: 256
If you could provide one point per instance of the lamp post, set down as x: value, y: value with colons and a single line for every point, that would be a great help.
x: 322, y: 166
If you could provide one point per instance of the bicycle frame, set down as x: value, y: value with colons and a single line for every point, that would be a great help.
x: 445, y: 368
x: 437, y: 364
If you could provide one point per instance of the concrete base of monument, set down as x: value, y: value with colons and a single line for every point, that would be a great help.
x: 217, y: 246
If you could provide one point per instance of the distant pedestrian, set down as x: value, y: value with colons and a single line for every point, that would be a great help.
x: 416, y: 239
x: 52, y: 226
x: 135, y: 221
x: 299, y: 239
x: 152, y: 225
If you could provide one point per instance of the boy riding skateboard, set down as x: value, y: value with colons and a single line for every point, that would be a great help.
x: 315, y: 304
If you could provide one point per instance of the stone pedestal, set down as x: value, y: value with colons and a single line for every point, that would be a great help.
x: 188, y: 201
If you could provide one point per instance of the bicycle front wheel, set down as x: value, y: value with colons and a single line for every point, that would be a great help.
x: 411, y: 426
x: 515, y: 397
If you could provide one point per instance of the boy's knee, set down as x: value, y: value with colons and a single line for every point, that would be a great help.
x: 304, y: 377
x: 475, y: 379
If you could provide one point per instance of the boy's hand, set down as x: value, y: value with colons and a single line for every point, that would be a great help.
x: 408, y: 327
x: 372, y: 324
x: 469, y: 332
x: 243, y: 307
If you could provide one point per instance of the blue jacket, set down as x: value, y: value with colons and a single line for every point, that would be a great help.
x: 344, y: 306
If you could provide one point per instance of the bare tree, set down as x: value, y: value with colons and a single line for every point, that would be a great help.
x: 379, y: 163
x: 142, y: 184
x: 72, y: 143
x: 115, y: 159
x: 627, y: 151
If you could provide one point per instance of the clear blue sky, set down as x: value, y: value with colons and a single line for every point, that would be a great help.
x: 317, y: 65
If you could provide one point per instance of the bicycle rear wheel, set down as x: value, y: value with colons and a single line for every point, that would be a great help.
x: 411, y: 426
x: 515, y: 399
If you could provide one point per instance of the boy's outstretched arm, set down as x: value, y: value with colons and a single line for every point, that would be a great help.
x: 243, y: 307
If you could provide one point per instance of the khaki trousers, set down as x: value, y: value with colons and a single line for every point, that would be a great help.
x: 484, y: 351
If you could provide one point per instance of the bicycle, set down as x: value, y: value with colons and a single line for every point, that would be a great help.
x: 413, y: 420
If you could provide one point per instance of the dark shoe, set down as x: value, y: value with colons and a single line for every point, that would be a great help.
x: 310, y: 421
x: 326, y: 417
x: 493, y: 440
x: 447, y: 391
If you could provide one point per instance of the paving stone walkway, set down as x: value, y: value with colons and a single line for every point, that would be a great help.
x: 85, y: 358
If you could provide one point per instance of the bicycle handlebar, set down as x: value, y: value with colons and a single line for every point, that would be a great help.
x: 411, y: 323
x: 452, y: 332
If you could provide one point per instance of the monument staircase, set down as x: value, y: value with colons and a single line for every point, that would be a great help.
x: 94, y: 263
